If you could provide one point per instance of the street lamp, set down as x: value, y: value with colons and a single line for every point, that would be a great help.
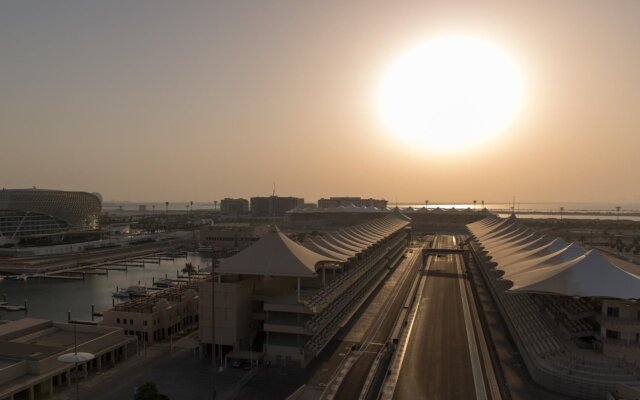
x: 213, y: 329
x: 76, y: 358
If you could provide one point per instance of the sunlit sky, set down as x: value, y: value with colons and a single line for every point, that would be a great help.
x: 198, y: 100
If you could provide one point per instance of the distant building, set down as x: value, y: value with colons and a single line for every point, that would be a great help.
x: 231, y: 236
x: 234, y: 206
x: 142, y: 208
x: 29, y: 350
x: 347, y: 201
x: 274, y: 206
x: 36, y: 213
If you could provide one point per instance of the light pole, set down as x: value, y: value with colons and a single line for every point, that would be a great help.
x: 213, y: 329
x: 75, y: 358
x: 561, y: 211
x: 618, y: 213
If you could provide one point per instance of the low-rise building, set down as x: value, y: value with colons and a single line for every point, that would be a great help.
x: 158, y: 316
x: 30, y: 347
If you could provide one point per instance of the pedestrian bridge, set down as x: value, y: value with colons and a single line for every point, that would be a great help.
x: 433, y: 251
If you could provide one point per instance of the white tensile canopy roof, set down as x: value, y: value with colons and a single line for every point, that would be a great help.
x: 539, y: 264
x: 356, y: 239
x: 275, y: 255
x: 590, y: 275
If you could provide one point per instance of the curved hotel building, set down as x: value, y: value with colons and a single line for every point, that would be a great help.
x: 38, y: 212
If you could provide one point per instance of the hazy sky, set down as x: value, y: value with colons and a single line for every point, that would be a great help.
x: 199, y: 100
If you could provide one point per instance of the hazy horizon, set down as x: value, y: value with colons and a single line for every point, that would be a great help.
x: 200, y: 100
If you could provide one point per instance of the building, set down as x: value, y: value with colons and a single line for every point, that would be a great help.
x: 34, y: 213
x: 333, y: 202
x: 234, y: 206
x: 573, y: 313
x: 29, y: 351
x: 231, y: 236
x: 284, y: 301
x: 274, y: 206
x: 158, y: 316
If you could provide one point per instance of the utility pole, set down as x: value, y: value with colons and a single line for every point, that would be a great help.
x: 213, y: 329
x: 561, y: 211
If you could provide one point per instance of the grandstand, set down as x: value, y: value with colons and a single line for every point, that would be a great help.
x: 570, y: 311
x: 295, y: 296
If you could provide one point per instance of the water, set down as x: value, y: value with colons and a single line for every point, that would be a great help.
x: 53, y: 298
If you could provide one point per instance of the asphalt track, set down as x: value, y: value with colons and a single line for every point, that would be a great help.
x: 437, y: 363
x: 354, y: 381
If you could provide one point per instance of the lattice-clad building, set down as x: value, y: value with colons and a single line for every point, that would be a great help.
x: 35, y: 212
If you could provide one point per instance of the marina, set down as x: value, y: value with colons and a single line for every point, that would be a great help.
x: 83, y: 293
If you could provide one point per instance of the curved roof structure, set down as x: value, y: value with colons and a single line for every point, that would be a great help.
x: 539, y: 264
x: 275, y: 255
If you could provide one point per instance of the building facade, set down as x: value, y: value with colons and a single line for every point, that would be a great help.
x: 158, y: 316
x: 234, y: 206
x: 26, y: 213
x: 274, y: 206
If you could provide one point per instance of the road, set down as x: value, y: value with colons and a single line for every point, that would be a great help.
x: 356, y: 377
x: 440, y: 361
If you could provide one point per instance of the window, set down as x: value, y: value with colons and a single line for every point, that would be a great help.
x: 145, y: 322
x: 131, y: 321
x: 117, y: 320
x: 613, y: 334
x: 613, y: 312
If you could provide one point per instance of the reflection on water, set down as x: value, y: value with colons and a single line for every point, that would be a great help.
x: 52, y: 299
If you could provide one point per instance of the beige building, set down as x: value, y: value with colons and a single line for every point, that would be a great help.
x: 158, y: 316
x: 284, y: 301
x: 29, y: 351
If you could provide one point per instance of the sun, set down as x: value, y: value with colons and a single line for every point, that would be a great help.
x: 451, y: 93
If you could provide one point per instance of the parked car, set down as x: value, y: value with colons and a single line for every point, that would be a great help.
x: 246, y: 365
x: 237, y: 363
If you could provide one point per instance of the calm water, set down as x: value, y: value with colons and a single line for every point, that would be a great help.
x: 52, y: 299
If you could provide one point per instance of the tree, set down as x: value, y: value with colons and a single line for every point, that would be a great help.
x: 149, y: 391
